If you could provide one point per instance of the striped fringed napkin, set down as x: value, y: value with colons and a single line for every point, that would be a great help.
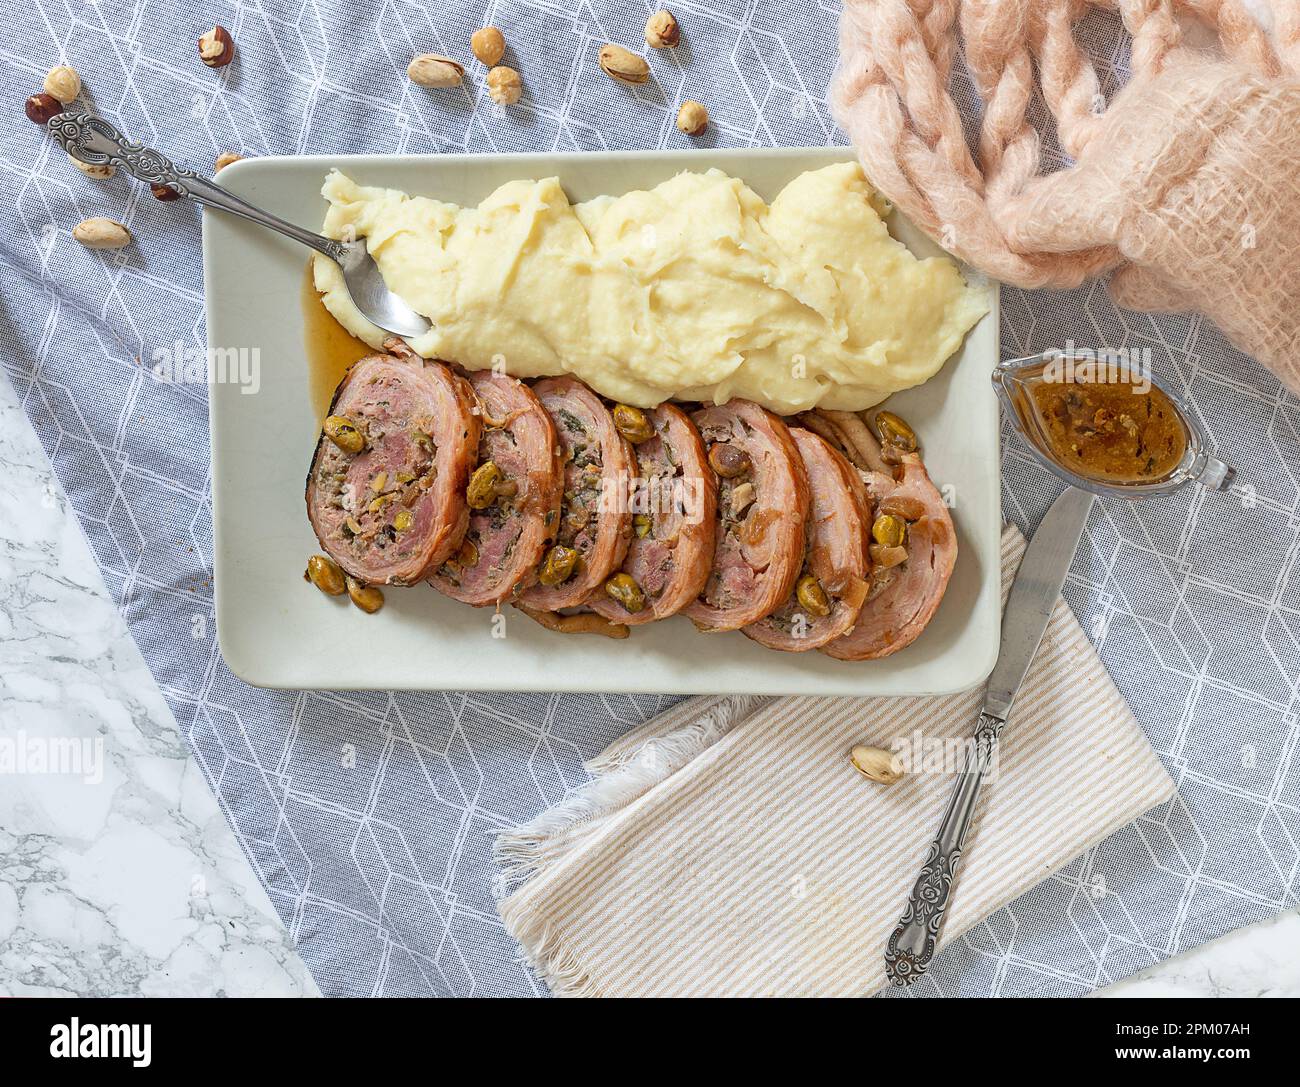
x: 728, y: 847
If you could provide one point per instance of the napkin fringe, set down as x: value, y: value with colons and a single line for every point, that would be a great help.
x: 678, y: 743
x: 623, y: 773
x: 555, y: 965
x: 525, y: 850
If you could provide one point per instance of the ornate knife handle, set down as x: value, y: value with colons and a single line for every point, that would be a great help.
x: 93, y: 140
x: 912, y: 943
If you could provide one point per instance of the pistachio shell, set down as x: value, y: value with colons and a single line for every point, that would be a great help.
x: 877, y: 764
x: 101, y: 234
x: 623, y: 65
x: 433, y: 70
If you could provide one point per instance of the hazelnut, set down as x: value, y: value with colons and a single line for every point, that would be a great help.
x: 217, y: 47
x: 225, y: 159
x: 99, y: 171
x: 42, y: 107
x: 623, y: 65
x: 101, y: 234
x: 729, y: 461
x: 164, y: 192
x: 489, y: 45
x: 504, y: 85
x: 692, y: 118
x: 63, y: 83
x: 662, y: 30
x: 432, y: 70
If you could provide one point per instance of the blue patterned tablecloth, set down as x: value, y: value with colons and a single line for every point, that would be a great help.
x: 380, y: 863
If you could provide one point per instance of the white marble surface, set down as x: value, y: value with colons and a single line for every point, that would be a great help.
x: 1262, y: 960
x: 135, y: 885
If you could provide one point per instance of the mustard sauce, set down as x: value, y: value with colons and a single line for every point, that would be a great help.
x: 1115, y: 431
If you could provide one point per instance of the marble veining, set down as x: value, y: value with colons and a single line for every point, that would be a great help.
x: 135, y: 884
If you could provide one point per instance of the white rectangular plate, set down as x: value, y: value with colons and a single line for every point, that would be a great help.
x: 278, y: 631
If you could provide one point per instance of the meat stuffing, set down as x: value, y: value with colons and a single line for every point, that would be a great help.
x: 595, y: 515
x: 514, y: 518
x: 386, y: 495
x: 674, y: 522
x: 832, y: 584
x: 763, y: 506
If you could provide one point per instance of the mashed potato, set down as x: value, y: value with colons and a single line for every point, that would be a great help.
x: 696, y: 289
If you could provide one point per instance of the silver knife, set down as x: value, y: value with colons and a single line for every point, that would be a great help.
x: 1033, y: 596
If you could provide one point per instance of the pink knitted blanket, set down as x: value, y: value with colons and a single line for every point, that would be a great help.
x: 1186, y: 185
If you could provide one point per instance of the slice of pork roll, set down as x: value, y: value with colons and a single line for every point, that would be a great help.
x: 595, y: 518
x: 386, y: 490
x: 674, y: 525
x: 763, y: 506
x: 908, y: 580
x: 514, y: 496
x: 832, y: 585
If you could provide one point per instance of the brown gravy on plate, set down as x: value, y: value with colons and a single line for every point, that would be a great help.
x: 330, y: 347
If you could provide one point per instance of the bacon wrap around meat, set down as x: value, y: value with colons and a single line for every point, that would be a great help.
x: 904, y: 599
x: 760, y: 548
x: 675, y: 509
x: 599, y: 467
x: 504, y: 543
x: 421, y: 439
x: 839, y: 530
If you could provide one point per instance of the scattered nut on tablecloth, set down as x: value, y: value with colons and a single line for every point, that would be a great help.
x: 692, y: 118
x: 623, y: 65
x: 435, y: 70
x: 63, y: 83
x: 504, y: 85
x: 99, y: 171
x: 488, y: 45
x: 662, y: 31
x: 101, y: 233
x: 40, y: 108
x: 217, y: 47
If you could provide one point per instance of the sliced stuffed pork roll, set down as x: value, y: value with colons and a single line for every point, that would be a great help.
x: 674, y: 520
x: 386, y: 490
x: 832, y: 584
x: 763, y: 505
x: 513, y: 495
x: 914, y: 545
x: 595, y: 516
x: 915, y: 550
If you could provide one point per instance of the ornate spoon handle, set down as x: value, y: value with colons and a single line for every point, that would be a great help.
x: 93, y: 140
x: 912, y: 944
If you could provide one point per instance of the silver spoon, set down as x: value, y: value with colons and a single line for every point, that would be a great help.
x: 93, y: 140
